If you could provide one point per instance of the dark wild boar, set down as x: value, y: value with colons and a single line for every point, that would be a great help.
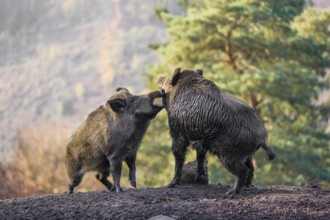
x: 110, y: 135
x: 203, y: 116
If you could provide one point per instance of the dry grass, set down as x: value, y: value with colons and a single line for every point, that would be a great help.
x: 37, y: 166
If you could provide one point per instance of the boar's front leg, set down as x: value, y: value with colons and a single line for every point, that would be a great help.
x: 130, y: 161
x: 201, y: 155
x: 116, y: 165
x: 102, y: 177
x: 179, y: 150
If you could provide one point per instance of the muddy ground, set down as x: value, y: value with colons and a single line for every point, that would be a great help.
x: 183, y: 202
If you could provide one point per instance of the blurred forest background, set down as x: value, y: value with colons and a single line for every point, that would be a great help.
x: 61, y: 59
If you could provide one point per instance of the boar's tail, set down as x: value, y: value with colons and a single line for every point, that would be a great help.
x: 269, y: 152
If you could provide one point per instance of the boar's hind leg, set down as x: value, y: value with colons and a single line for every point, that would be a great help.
x: 102, y: 177
x: 130, y: 161
x: 75, y: 173
x: 75, y: 177
x: 179, y: 150
x: 249, y: 177
x: 239, y: 170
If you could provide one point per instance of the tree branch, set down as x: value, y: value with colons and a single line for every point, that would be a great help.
x: 229, y: 52
x: 229, y: 49
x: 255, y: 103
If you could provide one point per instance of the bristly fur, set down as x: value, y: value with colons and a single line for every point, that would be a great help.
x: 200, y: 113
x: 110, y: 135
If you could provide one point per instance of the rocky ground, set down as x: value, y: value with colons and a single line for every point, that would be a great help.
x: 183, y: 202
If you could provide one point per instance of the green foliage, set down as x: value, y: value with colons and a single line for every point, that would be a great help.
x: 272, y: 54
x: 154, y: 159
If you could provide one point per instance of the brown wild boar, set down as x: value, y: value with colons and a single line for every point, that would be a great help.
x: 110, y: 135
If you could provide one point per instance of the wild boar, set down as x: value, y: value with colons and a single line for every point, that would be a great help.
x: 203, y: 116
x: 110, y: 135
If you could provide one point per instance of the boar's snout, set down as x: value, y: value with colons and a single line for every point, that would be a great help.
x: 147, y: 107
x: 152, y: 97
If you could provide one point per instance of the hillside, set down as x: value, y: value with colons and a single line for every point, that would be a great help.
x: 62, y: 59
x: 183, y: 202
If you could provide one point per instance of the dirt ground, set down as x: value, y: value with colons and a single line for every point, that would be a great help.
x: 182, y: 202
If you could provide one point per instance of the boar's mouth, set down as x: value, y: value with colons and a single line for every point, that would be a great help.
x: 154, y: 102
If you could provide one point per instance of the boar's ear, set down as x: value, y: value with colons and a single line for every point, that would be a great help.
x: 199, y: 72
x: 121, y: 88
x: 176, y: 76
x: 117, y: 104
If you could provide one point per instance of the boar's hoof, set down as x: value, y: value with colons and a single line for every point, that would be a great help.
x: 171, y: 185
x: 117, y: 189
x: 201, y: 179
x: 232, y: 192
x: 70, y: 190
x: 133, y: 183
x: 175, y: 181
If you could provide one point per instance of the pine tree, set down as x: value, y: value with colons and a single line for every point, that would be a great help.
x: 272, y: 54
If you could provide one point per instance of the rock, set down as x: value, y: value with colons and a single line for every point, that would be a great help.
x: 314, y: 184
x: 160, y: 217
x: 189, y: 174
